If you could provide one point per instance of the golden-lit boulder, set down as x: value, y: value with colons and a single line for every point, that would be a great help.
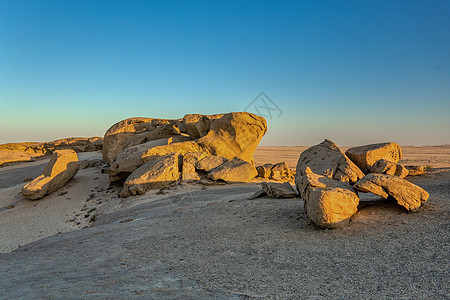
x: 62, y: 167
x: 415, y: 170
x: 157, y: 173
x: 383, y: 166
x: 135, y: 131
x: 234, y: 170
x: 407, y: 194
x: 329, y: 203
x: 365, y: 156
x: 328, y: 160
x: 234, y: 135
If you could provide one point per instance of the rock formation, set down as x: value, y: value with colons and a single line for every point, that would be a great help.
x: 328, y: 160
x: 415, y: 170
x: 210, y: 162
x: 62, y: 167
x: 22, y: 152
x: 329, y: 203
x: 365, y: 156
x: 130, y: 143
x: 189, y: 161
x: 404, y: 192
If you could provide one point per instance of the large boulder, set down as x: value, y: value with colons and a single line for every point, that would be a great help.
x: 328, y: 160
x: 329, y: 203
x: 234, y: 134
x: 158, y: 172
x: 404, y: 192
x: 365, y: 156
x: 62, y: 167
x: 415, y: 170
x: 234, y: 170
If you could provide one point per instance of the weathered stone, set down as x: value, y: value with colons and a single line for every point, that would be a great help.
x: 62, y: 167
x: 264, y: 170
x: 78, y: 144
x: 329, y: 203
x: 415, y: 170
x: 210, y: 162
x: 84, y: 164
x: 129, y: 159
x: 158, y: 172
x: 234, y: 135
x: 234, y: 170
x: 189, y: 161
x: 182, y: 148
x: 135, y: 131
x: 365, y: 156
x: 404, y: 192
x: 401, y: 171
x: 383, y: 166
x: 328, y: 160
x: 281, y: 172
x: 278, y: 190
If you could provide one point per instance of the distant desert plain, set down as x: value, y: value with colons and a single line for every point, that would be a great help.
x: 197, y: 241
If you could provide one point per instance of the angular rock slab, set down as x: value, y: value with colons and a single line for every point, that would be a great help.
x: 264, y: 170
x: 365, y: 156
x: 328, y: 160
x: 210, y: 162
x: 234, y: 170
x: 407, y: 194
x: 189, y: 161
x: 158, y: 172
x: 278, y: 190
x: 329, y: 203
x: 62, y: 167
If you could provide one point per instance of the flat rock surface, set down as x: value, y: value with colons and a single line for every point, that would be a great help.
x: 215, y: 243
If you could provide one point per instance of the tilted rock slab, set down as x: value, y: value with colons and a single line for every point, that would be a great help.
x: 158, y: 172
x: 210, y: 162
x: 189, y: 161
x: 328, y: 160
x: 329, y: 203
x: 278, y: 190
x: 234, y: 170
x: 407, y: 194
x: 62, y: 167
x: 365, y: 156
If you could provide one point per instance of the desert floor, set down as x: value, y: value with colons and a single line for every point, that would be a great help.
x: 210, y: 241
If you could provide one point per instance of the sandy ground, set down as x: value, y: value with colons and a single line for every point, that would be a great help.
x: 201, y: 241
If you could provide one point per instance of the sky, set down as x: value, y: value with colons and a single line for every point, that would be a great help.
x: 355, y: 72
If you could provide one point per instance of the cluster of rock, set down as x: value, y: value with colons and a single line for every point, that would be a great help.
x: 278, y: 172
x: 150, y: 153
x: 329, y: 180
x: 21, y: 152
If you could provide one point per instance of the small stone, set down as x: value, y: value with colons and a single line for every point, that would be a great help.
x: 10, y: 206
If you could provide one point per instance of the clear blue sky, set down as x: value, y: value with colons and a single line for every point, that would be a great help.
x: 353, y: 71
